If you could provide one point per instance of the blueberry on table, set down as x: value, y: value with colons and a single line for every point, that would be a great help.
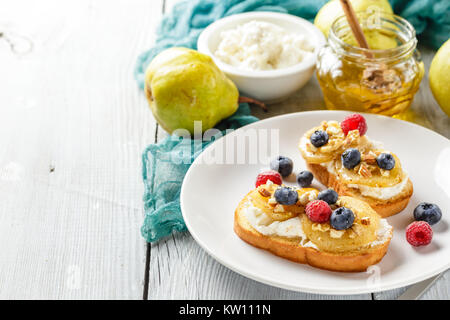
x: 351, y: 158
x: 286, y: 196
x: 283, y: 165
x: 305, y: 178
x: 428, y: 212
x: 329, y: 196
x: 342, y: 218
x: 386, y: 161
x: 319, y: 138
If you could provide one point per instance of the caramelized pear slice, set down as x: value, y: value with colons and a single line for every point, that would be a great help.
x: 313, y: 157
x: 355, y: 238
x: 276, y: 211
x: 377, y: 177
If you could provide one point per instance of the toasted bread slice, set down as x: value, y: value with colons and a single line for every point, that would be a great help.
x: 384, y: 208
x: 290, y: 248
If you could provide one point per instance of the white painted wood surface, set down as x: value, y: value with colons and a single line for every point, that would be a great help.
x: 73, y: 125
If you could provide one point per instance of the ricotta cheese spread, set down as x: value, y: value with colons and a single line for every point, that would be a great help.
x: 383, y: 232
x: 384, y: 193
x: 259, y: 45
x: 292, y: 228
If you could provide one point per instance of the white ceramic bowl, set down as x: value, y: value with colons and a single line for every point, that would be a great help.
x: 266, y: 85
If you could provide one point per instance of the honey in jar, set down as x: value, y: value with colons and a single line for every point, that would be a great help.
x: 382, y: 79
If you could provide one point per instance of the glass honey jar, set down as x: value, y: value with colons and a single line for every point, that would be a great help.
x: 382, y: 79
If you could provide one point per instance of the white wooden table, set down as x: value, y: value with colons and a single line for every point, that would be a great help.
x: 73, y: 125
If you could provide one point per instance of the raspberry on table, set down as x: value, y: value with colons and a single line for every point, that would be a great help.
x: 419, y: 233
x: 318, y: 211
x: 271, y: 175
x: 354, y: 122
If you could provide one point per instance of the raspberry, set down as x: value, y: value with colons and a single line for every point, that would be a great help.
x: 419, y: 233
x: 353, y: 122
x: 271, y: 175
x: 318, y: 211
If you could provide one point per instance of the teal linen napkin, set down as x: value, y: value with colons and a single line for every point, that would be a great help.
x: 164, y: 166
x: 166, y: 163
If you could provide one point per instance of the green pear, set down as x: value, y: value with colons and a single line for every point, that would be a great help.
x: 183, y: 86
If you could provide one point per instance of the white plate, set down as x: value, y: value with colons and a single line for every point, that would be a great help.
x: 211, y: 192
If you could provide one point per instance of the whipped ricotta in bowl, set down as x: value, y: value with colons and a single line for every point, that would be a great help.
x: 260, y: 45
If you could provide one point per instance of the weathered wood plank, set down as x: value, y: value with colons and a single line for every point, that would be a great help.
x: 180, y: 269
x: 72, y: 127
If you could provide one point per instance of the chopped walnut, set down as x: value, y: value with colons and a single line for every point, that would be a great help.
x: 336, y: 233
x: 380, y: 77
x: 332, y: 130
x: 304, y: 198
x: 320, y: 227
x: 364, y: 171
x: 356, y: 228
x: 272, y: 201
x: 312, y: 195
x: 352, y: 138
x: 385, y: 173
x: 278, y: 208
x: 264, y: 192
x: 369, y: 158
x: 365, y: 221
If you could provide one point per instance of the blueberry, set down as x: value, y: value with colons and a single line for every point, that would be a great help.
x: 386, y: 161
x: 351, y: 158
x: 319, y: 138
x: 329, y: 196
x: 342, y: 218
x: 305, y: 178
x: 286, y: 196
x: 428, y: 212
x: 283, y: 165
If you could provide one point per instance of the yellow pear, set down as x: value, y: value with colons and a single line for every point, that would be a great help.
x: 183, y: 85
x: 333, y: 10
x: 440, y: 77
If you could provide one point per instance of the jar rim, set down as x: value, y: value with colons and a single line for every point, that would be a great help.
x: 403, y: 25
